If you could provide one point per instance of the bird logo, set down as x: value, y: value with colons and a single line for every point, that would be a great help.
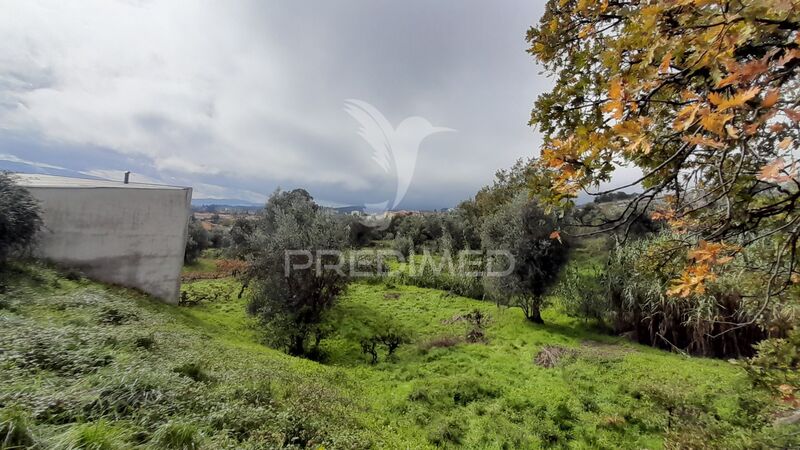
x: 394, y: 150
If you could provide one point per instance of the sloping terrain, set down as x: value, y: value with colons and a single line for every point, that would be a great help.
x: 83, y: 363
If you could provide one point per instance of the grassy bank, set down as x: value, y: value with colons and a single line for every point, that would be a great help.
x: 84, y: 363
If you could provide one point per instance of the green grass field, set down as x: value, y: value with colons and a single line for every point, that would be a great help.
x: 85, y: 365
x: 201, y: 265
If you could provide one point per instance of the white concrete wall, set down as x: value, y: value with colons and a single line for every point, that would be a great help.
x: 125, y: 236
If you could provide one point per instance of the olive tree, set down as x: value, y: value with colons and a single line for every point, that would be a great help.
x: 20, y: 217
x: 524, y: 230
x: 295, y: 269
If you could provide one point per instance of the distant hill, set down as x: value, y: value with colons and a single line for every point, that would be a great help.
x: 224, y: 202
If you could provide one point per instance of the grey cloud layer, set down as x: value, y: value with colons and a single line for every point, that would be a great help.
x: 249, y: 95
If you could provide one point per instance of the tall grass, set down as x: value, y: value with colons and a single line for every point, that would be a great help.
x: 15, y: 430
x: 98, y: 435
x: 177, y: 436
x: 433, y: 272
x: 721, y: 322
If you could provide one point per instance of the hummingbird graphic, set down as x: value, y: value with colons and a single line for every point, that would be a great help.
x: 392, y: 149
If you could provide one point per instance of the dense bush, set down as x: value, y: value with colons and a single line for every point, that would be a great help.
x: 389, y: 337
x: 524, y: 230
x: 291, y: 292
x: 451, y: 230
x: 197, y: 240
x: 455, y: 281
x: 777, y: 363
x: 582, y: 294
x: 240, y: 237
x: 217, y: 239
x: 725, y: 320
x: 359, y: 233
x: 422, y: 229
x: 403, y: 245
x: 20, y: 217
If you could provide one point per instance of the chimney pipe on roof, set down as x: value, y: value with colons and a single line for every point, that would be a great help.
x: 127, y: 176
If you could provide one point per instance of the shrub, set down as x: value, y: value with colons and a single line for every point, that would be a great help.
x: 369, y: 346
x: 458, y: 274
x: 197, y: 240
x: 20, y: 217
x: 73, y: 274
x: 469, y: 390
x: 217, y: 239
x: 777, y: 363
x: 582, y: 294
x: 477, y: 321
x: 359, y: 234
x: 58, y: 411
x: 419, y: 394
x: 404, y: 245
x: 421, y: 229
x: 255, y: 392
x: 392, y: 339
x: 196, y: 293
x: 386, y: 335
x: 240, y: 237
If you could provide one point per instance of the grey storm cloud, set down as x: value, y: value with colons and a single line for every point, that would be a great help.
x: 238, y: 98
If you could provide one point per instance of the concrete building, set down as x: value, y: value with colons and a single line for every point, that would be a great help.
x: 130, y: 234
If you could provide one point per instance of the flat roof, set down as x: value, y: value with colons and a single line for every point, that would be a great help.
x: 52, y: 181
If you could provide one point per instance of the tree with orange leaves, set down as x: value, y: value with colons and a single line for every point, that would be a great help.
x: 701, y: 95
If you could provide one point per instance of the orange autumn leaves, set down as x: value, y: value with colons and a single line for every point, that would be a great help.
x: 700, y: 271
x: 710, y: 123
x: 738, y: 99
x: 616, y: 99
x: 778, y: 171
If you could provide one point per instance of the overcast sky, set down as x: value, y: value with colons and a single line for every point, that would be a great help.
x: 236, y: 98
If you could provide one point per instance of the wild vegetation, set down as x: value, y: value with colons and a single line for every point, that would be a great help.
x: 702, y: 97
x: 523, y: 229
x: 119, y: 370
x: 666, y: 318
x: 292, y: 291
x: 19, y: 219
